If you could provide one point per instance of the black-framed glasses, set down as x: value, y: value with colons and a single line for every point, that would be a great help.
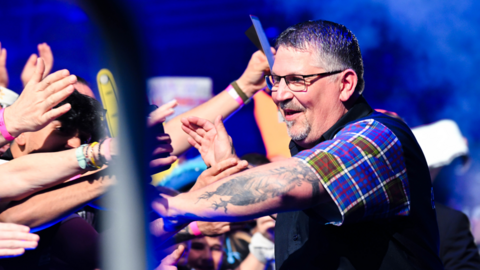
x: 296, y: 83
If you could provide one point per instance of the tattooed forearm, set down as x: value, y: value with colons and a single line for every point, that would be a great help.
x: 259, y: 185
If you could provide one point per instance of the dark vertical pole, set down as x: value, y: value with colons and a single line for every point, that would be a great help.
x: 125, y: 244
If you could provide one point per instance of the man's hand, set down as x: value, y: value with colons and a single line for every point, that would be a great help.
x: 170, y: 262
x: 218, y: 228
x: 211, y: 140
x: 33, y: 109
x: 161, y: 141
x: 253, y: 78
x: 14, y: 239
x: 218, y: 171
x: 46, y: 54
x: 3, y: 67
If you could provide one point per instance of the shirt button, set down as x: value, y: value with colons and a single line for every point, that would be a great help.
x: 295, y: 237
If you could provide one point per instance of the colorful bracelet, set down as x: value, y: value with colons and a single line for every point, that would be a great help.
x: 194, y: 228
x: 3, y: 128
x: 92, y: 158
x: 240, y: 93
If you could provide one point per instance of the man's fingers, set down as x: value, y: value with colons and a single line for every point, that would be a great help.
x: 221, y: 131
x: 160, y: 114
x: 39, y: 69
x: 13, y: 227
x: 18, y: 244
x: 173, y: 258
x: 194, y: 134
x: 60, y: 84
x: 193, y: 143
x: 52, y: 100
x: 3, y: 56
x: 45, y: 52
x: 164, y: 148
x: 54, y: 77
x: 160, y: 162
x: 223, y: 165
x: 55, y: 113
x: 242, y: 165
x: 201, y: 123
x: 11, y: 252
x: 17, y: 235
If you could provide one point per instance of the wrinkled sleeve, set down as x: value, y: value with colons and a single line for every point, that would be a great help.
x: 363, y: 170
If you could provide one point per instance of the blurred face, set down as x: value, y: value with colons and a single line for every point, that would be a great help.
x: 312, y: 112
x: 84, y: 89
x: 51, y: 138
x: 205, y: 253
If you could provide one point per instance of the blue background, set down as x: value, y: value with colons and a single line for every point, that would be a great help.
x: 420, y: 57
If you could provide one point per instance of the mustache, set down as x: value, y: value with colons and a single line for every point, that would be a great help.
x: 289, y: 105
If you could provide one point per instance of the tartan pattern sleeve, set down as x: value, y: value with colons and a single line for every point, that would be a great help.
x: 363, y: 170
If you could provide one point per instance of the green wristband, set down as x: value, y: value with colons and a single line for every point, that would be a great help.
x: 240, y: 93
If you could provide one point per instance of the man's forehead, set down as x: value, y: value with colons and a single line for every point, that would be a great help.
x: 289, y: 60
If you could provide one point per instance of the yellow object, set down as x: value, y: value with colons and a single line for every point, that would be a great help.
x: 109, y: 95
x: 93, y: 156
x: 157, y: 178
x: 274, y: 133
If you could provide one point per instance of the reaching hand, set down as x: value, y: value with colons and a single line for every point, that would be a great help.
x: 46, y: 54
x: 170, y: 262
x: 33, y: 109
x: 162, y: 144
x: 212, y: 141
x: 218, y: 171
x: 253, y: 78
x: 3, y: 67
x: 218, y: 228
x: 14, y: 239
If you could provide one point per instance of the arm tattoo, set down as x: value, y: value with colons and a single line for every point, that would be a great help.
x: 262, y: 185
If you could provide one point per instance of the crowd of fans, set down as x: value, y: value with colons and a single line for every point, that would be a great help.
x: 57, y: 151
x: 54, y: 165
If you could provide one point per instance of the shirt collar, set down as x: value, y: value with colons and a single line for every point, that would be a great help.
x: 359, y: 110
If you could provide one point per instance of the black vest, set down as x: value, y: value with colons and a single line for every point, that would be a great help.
x: 302, y: 241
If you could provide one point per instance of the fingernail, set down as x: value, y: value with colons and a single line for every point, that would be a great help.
x: 72, y: 79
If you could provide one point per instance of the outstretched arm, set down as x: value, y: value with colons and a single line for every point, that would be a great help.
x: 276, y: 187
x: 251, y: 81
x: 54, y: 204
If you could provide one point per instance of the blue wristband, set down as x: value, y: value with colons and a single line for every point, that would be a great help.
x: 82, y: 161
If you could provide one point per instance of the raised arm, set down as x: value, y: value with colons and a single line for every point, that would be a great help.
x: 51, y: 205
x: 251, y: 81
x: 33, y: 109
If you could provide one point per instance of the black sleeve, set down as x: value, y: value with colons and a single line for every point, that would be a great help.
x: 457, y: 246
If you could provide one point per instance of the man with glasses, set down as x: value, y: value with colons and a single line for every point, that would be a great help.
x: 355, y: 195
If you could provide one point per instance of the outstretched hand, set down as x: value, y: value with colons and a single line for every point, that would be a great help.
x: 170, y: 262
x: 3, y: 67
x: 46, y: 54
x: 220, y: 170
x: 14, y: 239
x: 33, y: 109
x: 161, y: 142
x: 211, y: 140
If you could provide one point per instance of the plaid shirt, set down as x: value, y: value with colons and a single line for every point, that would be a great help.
x: 363, y: 170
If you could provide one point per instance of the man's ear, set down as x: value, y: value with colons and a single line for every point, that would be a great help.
x: 348, y: 84
x: 21, y: 140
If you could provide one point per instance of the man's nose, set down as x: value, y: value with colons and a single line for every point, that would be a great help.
x: 283, y: 93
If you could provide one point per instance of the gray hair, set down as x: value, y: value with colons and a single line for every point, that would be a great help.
x: 336, y: 47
